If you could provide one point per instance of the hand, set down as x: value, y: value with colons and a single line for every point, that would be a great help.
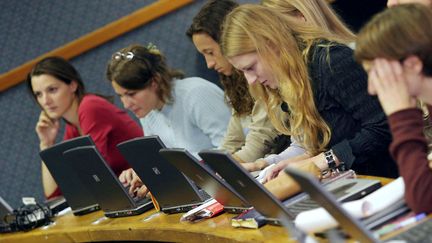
x: 47, y: 130
x: 255, y: 166
x: 137, y: 188
x: 141, y: 191
x: 127, y: 176
x: 387, y: 80
x: 274, y: 171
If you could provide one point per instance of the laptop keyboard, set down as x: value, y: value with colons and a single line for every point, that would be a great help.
x: 203, y: 194
x: 421, y: 233
x: 303, y: 205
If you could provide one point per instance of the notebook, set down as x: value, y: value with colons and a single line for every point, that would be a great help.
x: 75, y: 192
x: 263, y: 201
x: 174, y: 192
x: 101, y: 181
x: 206, y: 179
x: 355, y: 228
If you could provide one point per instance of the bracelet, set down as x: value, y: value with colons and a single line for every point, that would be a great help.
x: 333, y: 170
x: 331, y: 162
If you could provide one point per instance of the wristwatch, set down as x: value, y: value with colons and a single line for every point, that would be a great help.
x: 330, y: 159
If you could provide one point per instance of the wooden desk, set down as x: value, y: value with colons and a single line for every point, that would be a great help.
x: 150, y: 226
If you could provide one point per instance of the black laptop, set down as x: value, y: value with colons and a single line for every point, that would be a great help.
x: 101, y: 181
x: 5, y: 209
x: 263, y: 201
x: 206, y: 179
x: 422, y: 232
x: 174, y: 192
x: 75, y: 192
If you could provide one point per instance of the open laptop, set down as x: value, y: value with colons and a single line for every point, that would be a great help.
x: 263, y: 201
x: 174, y: 192
x: 354, y: 227
x: 5, y: 209
x: 101, y: 181
x: 205, y: 178
x: 75, y: 192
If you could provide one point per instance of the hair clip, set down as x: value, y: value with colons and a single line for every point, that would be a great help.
x: 152, y: 48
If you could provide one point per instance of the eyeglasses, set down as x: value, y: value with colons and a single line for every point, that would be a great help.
x: 124, y: 56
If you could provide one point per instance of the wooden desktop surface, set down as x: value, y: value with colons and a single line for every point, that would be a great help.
x: 150, y: 226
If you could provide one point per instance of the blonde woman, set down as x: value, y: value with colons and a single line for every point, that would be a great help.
x: 316, y: 13
x: 325, y: 91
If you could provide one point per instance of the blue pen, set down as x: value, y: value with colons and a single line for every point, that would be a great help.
x: 411, y: 220
x: 395, y: 226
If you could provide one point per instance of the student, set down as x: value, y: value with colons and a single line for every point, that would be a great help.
x: 400, y: 73
x: 250, y: 134
x: 325, y: 91
x: 184, y: 112
x: 59, y: 90
x: 316, y: 13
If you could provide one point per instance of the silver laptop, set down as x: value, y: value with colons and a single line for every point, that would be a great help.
x: 205, y: 178
x: 174, y: 192
x: 101, y: 181
x: 75, y: 192
x: 263, y: 201
x: 354, y: 227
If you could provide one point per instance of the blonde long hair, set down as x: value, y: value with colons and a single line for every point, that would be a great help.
x: 315, y: 12
x: 283, y: 44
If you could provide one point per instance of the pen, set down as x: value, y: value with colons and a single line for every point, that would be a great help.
x: 411, y: 220
x: 395, y: 226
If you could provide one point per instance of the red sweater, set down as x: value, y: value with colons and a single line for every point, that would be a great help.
x: 409, y: 149
x: 108, y: 126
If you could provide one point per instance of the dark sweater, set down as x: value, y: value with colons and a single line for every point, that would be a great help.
x: 409, y: 148
x: 360, y: 134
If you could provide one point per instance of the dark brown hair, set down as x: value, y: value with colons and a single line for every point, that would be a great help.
x: 209, y: 21
x: 146, y: 66
x: 59, y: 68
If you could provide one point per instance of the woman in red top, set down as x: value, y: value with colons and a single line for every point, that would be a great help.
x: 59, y: 90
x: 396, y: 50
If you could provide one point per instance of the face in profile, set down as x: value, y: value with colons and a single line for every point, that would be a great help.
x: 211, y: 51
x: 397, y: 2
x: 53, y: 95
x: 140, y: 102
x: 254, y: 69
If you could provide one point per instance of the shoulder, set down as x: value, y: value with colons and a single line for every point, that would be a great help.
x: 93, y: 106
x: 331, y: 52
x: 193, y: 83
x: 194, y: 87
x: 91, y: 101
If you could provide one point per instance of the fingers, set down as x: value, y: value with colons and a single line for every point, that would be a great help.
x: 46, y: 122
x: 388, y: 81
x: 272, y: 173
x: 142, y: 191
x: 127, y: 176
x: 122, y: 177
x: 43, y: 117
x: 135, y: 184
